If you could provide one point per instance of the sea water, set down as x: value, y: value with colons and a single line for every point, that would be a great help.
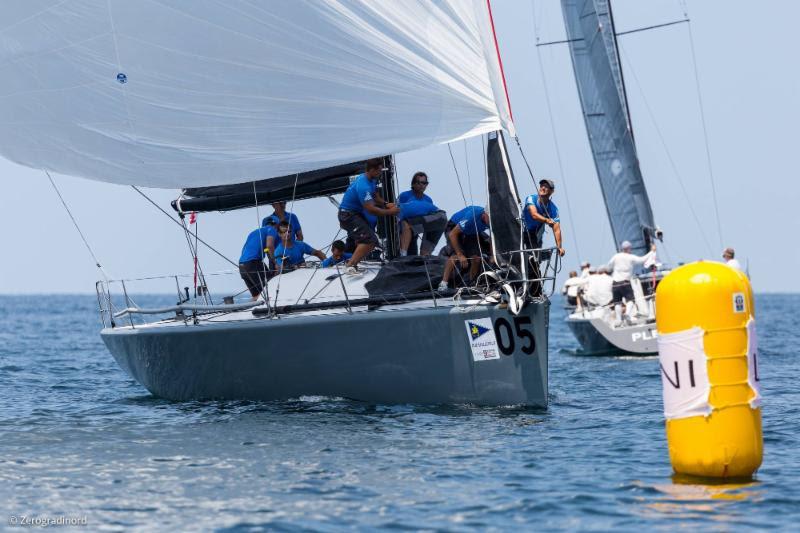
x: 83, y: 443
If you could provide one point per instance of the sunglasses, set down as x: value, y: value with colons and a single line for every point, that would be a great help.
x: 421, y: 182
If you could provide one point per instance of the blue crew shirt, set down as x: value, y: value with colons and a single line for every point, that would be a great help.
x: 253, y: 249
x: 469, y: 220
x: 294, y: 255
x: 361, y: 191
x: 549, y: 211
x: 291, y: 218
x: 407, y: 196
x: 411, y: 206
x: 330, y: 261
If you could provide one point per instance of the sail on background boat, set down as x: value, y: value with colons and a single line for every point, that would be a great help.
x: 191, y: 94
x: 592, y: 45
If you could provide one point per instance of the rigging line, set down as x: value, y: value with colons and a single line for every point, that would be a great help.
x: 265, y: 289
x: 618, y: 34
x: 193, y: 251
x: 75, y: 223
x: 573, y: 230
x: 135, y: 188
x: 455, y: 169
x: 294, y: 195
x: 461, y: 188
x: 311, y: 277
x: 705, y: 134
x: 472, y: 198
x: 686, y: 198
x: 653, y: 27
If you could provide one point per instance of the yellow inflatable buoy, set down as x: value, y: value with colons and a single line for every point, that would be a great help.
x: 708, y: 355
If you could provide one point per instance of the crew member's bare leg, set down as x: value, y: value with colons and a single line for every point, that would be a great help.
x: 405, y: 237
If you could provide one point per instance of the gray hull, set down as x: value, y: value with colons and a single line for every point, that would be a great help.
x: 597, y: 337
x: 420, y: 355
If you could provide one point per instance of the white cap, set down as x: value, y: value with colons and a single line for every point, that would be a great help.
x: 626, y: 245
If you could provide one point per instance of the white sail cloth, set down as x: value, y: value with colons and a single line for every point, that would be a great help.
x: 193, y: 93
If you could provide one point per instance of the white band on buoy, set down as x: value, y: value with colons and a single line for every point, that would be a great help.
x: 684, y: 375
x: 752, y: 364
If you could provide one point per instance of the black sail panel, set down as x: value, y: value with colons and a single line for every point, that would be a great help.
x: 598, y: 74
x: 504, y: 201
x: 323, y: 182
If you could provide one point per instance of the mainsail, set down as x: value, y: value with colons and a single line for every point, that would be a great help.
x: 199, y: 93
x: 592, y: 43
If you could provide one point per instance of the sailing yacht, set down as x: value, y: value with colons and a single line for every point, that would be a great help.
x: 598, y: 73
x: 240, y: 104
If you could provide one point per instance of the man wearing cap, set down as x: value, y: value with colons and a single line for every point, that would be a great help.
x: 728, y: 256
x: 360, y: 202
x: 539, y: 211
x: 621, y: 266
x: 598, y: 288
x: 586, y: 267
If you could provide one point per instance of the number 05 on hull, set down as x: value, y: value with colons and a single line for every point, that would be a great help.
x: 479, y: 354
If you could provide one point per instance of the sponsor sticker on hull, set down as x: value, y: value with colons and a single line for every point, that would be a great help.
x: 482, y: 340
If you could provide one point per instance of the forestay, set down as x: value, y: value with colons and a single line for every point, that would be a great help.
x: 592, y: 44
x: 200, y: 93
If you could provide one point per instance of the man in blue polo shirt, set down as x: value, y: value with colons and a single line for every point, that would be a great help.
x: 252, y: 268
x: 540, y: 211
x: 291, y: 253
x: 337, y: 255
x: 280, y: 214
x: 419, y: 216
x: 465, y: 235
x: 361, y: 199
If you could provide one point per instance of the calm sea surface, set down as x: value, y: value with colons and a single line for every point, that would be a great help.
x: 80, y: 439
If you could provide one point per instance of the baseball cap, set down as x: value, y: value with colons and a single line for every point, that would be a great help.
x: 548, y: 183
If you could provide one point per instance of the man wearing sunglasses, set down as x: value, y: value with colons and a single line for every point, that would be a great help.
x: 419, y: 216
x: 539, y: 211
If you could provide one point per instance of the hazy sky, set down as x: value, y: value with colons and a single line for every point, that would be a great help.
x: 750, y: 86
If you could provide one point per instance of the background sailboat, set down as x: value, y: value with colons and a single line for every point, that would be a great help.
x: 598, y: 74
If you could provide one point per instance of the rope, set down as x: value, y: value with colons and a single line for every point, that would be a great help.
x: 555, y: 138
x: 75, y: 223
x: 265, y: 289
x: 472, y: 200
x: 461, y: 188
x: 455, y: 168
x: 705, y: 131
x: 135, y: 188
x: 278, y: 288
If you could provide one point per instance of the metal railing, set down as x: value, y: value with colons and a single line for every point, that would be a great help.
x: 531, y: 273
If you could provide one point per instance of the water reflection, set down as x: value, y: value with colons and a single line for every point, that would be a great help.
x: 690, y: 497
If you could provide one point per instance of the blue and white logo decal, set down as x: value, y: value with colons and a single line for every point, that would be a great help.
x: 482, y: 339
x: 738, y: 302
x: 122, y: 78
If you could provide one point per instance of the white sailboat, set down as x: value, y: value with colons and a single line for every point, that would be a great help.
x: 593, y: 48
x: 240, y: 104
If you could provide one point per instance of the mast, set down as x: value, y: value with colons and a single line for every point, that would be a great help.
x: 621, y: 73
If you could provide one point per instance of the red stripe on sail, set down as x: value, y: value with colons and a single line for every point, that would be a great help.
x: 499, y: 59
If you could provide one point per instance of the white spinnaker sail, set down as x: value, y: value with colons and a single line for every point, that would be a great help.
x: 188, y: 93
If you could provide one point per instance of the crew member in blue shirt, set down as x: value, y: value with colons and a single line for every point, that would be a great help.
x: 280, y: 214
x: 291, y: 253
x: 419, y: 216
x: 337, y: 254
x: 252, y: 268
x: 468, y: 242
x: 359, y: 199
x: 540, y: 211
